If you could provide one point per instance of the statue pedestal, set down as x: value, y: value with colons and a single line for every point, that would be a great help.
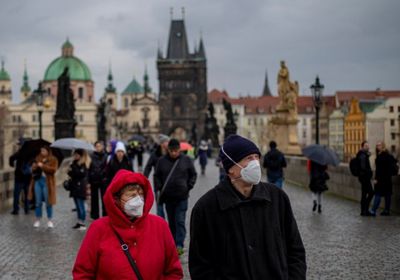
x: 282, y: 128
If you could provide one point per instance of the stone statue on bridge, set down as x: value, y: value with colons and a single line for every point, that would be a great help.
x: 287, y: 91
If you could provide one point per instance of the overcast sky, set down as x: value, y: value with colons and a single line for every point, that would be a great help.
x: 350, y: 44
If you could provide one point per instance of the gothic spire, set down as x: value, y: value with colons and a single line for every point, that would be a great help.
x: 110, y: 87
x: 146, y: 86
x: 25, y: 85
x: 266, y: 91
x: 202, y: 52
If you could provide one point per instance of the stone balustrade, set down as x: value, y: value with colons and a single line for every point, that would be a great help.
x: 341, y: 182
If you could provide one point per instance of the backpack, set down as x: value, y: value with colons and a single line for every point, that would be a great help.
x: 355, y: 166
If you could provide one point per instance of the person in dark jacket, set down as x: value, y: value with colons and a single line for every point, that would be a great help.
x: 318, y: 178
x: 174, y: 177
x: 22, y: 178
x: 274, y: 162
x: 243, y: 228
x: 203, y: 155
x: 386, y: 167
x: 78, y: 172
x: 117, y: 162
x: 96, y: 180
x: 365, y: 177
x: 159, y: 151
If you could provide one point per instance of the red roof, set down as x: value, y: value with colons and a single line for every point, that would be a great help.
x: 266, y: 104
x: 345, y: 96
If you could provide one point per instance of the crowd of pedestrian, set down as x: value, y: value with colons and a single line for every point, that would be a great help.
x: 236, y: 228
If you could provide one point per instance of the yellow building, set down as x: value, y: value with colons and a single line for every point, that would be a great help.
x: 354, y: 130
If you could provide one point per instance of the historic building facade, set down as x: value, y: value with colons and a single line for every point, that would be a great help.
x: 354, y: 130
x: 182, y: 78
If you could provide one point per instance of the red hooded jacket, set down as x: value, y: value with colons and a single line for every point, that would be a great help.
x: 148, y: 237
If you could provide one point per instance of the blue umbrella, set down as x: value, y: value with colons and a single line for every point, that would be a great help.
x: 321, y: 154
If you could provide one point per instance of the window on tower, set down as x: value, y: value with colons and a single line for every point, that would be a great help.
x: 80, y: 93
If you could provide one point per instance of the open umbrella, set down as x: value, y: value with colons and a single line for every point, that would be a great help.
x: 31, y: 148
x: 72, y: 144
x: 137, y: 137
x: 185, y: 146
x: 321, y: 154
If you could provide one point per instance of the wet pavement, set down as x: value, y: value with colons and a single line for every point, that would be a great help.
x: 339, y: 243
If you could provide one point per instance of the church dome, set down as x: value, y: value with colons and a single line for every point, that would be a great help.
x: 4, y: 76
x: 78, y: 70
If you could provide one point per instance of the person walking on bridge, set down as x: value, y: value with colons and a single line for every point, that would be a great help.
x: 244, y: 228
x: 274, y: 162
x: 318, y: 178
x: 365, y: 177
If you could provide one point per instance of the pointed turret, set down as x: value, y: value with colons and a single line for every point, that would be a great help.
x: 25, y: 89
x: 110, y: 86
x: 146, y: 86
x: 266, y: 91
x: 202, y: 52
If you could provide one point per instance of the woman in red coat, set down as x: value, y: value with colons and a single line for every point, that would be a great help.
x: 128, y: 201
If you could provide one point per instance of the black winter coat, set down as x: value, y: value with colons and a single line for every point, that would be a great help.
x: 365, y: 166
x: 21, y: 173
x: 152, y: 161
x: 384, y: 164
x: 97, y: 168
x: 181, y: 181
x: 79, y: 176
x: 114, y: 166
x: 318, y: 177
x: 274, y: 162
x: 243, y: 239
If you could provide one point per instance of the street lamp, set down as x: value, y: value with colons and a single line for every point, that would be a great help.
x: 316, y: 90
x: 40, y: 103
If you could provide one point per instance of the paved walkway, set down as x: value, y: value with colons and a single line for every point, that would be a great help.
x: 339, y: 243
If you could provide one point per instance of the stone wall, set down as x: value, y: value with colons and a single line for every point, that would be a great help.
x: 341, y: 182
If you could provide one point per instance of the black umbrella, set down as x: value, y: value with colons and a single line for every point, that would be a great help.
x: 321, y: 154
x: 137, y: 137
x: 30, y: 149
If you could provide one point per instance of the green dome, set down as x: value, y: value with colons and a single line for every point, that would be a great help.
x: 133, y: 87
x: 77, y: 69
x: 3, y: 73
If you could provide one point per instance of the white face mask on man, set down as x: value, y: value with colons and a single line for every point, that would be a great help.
x: 134, y: 206
x: 251, y: 173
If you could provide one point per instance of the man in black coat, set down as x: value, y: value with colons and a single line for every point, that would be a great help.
x: 174, y: 177
x: 22, y: 178
x: 364, y: 177
x: 159, y: 151
x: 244, y: 229
x: 97, y: 180
x: 274, y: 162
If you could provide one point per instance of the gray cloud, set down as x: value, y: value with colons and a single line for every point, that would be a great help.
x: 350, y: 44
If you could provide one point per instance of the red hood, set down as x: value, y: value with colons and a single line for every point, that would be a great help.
x: 121, y: 179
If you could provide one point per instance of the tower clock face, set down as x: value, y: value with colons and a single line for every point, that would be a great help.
x: 178, y: 34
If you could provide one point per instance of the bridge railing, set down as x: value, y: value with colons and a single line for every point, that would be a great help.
x: 341, y: 182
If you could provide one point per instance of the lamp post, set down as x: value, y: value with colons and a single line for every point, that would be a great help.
x: 316, y: 90
x: 40, y: 92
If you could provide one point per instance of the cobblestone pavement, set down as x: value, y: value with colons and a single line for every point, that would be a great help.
x: 339, y: 243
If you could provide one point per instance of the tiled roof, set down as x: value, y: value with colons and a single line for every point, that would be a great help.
x: 267, y: 104
x: 345, y: 96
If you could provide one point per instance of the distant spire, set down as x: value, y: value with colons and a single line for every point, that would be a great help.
x: 159, y: 52
x: 177, y: 41
x: 146, y: 86
x: 110, y: 87
x: 183, y: 13
x: 202, y: 52
x: 2, y: 63
x: 171, y: 12
x: 266, y: 91
x: 25, y: 85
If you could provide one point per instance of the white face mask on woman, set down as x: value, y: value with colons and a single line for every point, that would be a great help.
x: 134, y: 206
x: 251, y: 173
